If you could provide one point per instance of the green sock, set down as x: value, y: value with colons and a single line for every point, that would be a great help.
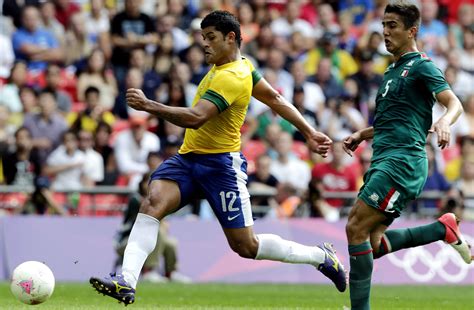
x: 361, y: 261
x: 397, y: 239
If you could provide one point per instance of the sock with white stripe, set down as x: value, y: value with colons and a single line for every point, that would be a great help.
x: 273, y: 247
x: 397, y: 239
x: 141, y: 243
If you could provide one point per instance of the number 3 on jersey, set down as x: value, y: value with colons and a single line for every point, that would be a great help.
x: 387, y: 86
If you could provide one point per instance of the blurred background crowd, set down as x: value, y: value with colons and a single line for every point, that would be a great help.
x: 65, y: 127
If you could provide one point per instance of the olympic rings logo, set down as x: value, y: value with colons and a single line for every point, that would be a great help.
x: 422, y: 266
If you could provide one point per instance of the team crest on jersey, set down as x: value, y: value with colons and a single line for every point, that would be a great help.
x: 410, y: 63
x: 374, y: 197
x: 404, y: 73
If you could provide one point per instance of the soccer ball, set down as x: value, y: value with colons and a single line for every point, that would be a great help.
x: 32, y: 283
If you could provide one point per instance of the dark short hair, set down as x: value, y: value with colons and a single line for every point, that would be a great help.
x: 90, y: 90
x: 224, y: 22
x: 409, y: 13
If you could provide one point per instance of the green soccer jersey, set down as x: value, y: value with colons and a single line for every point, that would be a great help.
x: 404, y: 102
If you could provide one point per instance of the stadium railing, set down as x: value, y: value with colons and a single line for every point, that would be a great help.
x: 112, y: 200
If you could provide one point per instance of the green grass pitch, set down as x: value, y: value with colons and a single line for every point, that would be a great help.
x: 250, y: 296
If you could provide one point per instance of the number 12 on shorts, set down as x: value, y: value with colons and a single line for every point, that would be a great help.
x: 228, y: 207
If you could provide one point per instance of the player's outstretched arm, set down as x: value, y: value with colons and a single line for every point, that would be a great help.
x: 352, y: 142
x: 453, y: 110
x: 317, y: 141
x: 193, y: 117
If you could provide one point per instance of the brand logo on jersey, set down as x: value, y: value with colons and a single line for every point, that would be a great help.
x: 404, y: 73
x: 410, y: 63
x: 374, y: 197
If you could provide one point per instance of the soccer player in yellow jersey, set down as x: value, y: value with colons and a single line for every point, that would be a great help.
x: 210, y: 163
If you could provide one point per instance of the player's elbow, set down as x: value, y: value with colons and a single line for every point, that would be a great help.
x: 197, y: 121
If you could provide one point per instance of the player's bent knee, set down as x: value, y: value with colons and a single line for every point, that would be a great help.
x: 244, y: 250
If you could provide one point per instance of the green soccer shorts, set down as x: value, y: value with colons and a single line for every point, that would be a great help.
x: 390, y: 184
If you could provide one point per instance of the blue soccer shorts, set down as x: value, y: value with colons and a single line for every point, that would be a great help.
x: 220, y: 178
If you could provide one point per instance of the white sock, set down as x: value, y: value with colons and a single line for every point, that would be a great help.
x: 141, y: 243
x: 273, y: 247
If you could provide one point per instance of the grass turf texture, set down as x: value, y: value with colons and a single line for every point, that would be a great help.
x: 253, y: 296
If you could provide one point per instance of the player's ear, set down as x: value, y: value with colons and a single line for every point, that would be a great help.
x: 231, y: 37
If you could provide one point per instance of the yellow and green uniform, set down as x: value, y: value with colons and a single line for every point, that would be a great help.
x: 229, y: 87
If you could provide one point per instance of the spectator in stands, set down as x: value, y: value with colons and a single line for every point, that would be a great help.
x: 166, y: 244
x: 361, y: 11
x: 65, y: 9
x: 195, y: 60
x: 10, y: 92
x: 66, y: 164
x: 130, y: 29
x: 102, y: 146
x: 467, y: 52
x: 181, y: 72
x: 314, y: 97
x: 7, y: 56
x: 181, y: 12
x: 457, y: 29
x: 47, y: 126
x: 53, y: 83
x: 335, y: 176
x: 299, y: 96
x: 436, y: 181
x: 78, y: 44
x: 33, y: 44
x: 286, y: 25
x: 460, y: 81
x: 262, y: 180
x: 248, y: 26
x: 92, y: 114
x: 164, y: 56
x: 7, y: 130
x: 13, y: 9
x: 133, y: 79
x: 97, y: 21
x: 276, y: 62
x: 131, y: 150
x: 327, y: 21
x: 151, y: 78
x: 96, y: 74
x: 326, y: 80
x: 341, y: 61
x: 341, y: 117
x: 21, y: 166
x: 367, y: 80
x: 365, y: 158
x: 29, y: 102
x: 466, y: 185
x: 167, y: 24
x: 261, y: 46
x: 432, y: 30
x: 290, y: 169
x: 93, y: 168
x: 468, y: 104
x: 49, y: 21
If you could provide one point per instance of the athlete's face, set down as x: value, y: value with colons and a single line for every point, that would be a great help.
x: 217, y: 47
x: 397, y: 38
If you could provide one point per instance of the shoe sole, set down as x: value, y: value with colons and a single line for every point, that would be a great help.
x: 104, y: 290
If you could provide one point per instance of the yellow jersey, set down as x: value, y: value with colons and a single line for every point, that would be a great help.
x: 229, y: 87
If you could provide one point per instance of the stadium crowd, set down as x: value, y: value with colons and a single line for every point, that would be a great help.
x: 65, y: 67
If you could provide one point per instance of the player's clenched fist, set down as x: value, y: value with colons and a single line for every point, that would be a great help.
x: 136, y: 99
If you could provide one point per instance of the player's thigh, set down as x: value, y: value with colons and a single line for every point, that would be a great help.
x: 171, y: 186
x: 223, y: 179
x: 362, y: 220
x: 163, y: 198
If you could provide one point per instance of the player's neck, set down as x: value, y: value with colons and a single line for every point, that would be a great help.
x: 230, y: 58
x: 408, y: 49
